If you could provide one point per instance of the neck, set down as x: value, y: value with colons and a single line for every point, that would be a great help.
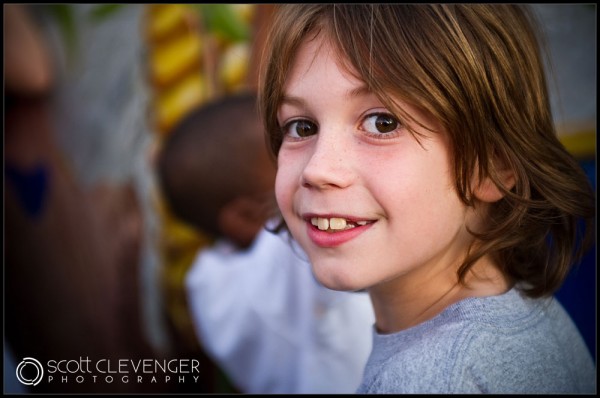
x: 405, y: 302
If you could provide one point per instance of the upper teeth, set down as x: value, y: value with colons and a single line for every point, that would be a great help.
x: 333, y: 223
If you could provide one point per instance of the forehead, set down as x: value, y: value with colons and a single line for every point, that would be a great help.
x: 319, y: 67
x: 317, y: 60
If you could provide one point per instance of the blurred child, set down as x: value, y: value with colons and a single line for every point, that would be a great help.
x: 257, y: 309
x: 417, y: 159
x: 215, y: 173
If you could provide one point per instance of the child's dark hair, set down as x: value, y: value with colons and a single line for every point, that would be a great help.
x: 210, y: 158
x: 478, y: 69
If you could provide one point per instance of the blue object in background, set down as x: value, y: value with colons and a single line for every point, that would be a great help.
x: 578, y: 293
x: 31, y: 187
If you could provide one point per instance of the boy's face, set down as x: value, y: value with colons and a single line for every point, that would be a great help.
x: 345, y: 159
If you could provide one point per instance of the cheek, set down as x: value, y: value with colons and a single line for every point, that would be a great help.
x: 281, y: 193
x: 415, y: 188
x: 285, y: 184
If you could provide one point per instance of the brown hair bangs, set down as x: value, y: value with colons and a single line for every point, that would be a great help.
x: 478, y: 70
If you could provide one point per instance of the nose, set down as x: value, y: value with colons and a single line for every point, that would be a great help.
x: 329, y: 164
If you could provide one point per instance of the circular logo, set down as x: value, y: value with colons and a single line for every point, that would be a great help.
x: 30, y: 372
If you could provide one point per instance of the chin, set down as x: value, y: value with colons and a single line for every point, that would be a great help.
x: 336, y: 279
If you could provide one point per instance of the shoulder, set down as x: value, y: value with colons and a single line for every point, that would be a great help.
x: 539, y: 351
x: 503, y: 345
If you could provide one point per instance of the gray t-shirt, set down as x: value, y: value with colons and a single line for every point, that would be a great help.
x: 498, y: 344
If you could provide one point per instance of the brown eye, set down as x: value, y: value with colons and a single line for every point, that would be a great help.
x: 380, y: 123
x: 385, y: 123
x: 300, y: 129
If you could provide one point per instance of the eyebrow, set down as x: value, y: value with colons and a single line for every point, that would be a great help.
x: 297, y: 101
x: 362, y: 90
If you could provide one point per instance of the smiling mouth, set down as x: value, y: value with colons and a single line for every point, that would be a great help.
x: 336, y: 224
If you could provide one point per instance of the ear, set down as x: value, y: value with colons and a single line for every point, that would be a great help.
x: 488, y: 191
x: 241, y: 219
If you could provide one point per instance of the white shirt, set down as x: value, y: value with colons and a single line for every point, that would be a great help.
x: 262, y: 316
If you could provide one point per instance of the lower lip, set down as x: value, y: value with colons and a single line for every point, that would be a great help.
x: 333, y: 239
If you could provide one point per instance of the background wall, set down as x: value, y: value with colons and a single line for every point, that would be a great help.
x: 571, y: 35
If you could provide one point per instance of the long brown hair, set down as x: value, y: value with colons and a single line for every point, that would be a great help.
x: 478, y: 69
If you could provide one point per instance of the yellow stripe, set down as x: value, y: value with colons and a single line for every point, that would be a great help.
x: 581, y: 144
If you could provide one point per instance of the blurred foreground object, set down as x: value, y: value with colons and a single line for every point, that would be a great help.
x: 27, y: 66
